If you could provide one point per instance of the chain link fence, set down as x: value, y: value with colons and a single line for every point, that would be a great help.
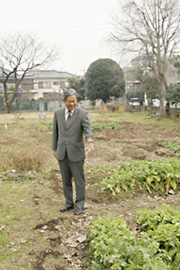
x: 30, y: 106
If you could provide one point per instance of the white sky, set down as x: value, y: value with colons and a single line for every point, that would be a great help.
x: 77, y: 27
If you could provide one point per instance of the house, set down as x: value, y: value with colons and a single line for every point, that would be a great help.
x: 131, y: 82
x: 46, y: 83
x: 130, y: 73
x: 44, y: 86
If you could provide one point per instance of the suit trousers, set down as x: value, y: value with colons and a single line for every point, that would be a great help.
x: 74, y: 170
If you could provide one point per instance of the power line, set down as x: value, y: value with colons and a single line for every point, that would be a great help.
x: 69, y: 22
x: 50, y: 6
x: 56, y: 17
x: 42, y: 3
x: 71, y: 30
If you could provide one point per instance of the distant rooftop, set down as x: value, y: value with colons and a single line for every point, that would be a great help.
x: 49, y: 74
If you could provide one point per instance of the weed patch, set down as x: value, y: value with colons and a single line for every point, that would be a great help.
x: 45, y: 126
x: 27, y: 160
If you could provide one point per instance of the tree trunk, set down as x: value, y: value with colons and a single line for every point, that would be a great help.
x: 9, y: 101
x: 176, y: 110
x: 162, y: 92
x: 162, y: 106
x: 9, y: 106
x: 167, y: 109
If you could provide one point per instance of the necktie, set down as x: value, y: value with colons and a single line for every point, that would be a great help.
x: 69, y: 116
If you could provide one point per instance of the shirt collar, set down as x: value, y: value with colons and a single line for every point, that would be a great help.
x: 67, y: 111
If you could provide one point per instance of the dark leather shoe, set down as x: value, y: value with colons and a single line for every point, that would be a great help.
x: 66, y: 208
x: 78, y: 212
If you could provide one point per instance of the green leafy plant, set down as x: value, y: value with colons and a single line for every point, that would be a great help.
x: 150, y: 220
x: 114, y: 246
x: 163, y: 226
x: 50, y: 127
x: 99, y: 126
x: 174, y: 146
x: 158, y: 176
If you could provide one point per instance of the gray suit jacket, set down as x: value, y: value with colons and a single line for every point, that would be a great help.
x: 69, y: 138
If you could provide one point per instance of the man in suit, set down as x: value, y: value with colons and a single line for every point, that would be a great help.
x: 69, y: 126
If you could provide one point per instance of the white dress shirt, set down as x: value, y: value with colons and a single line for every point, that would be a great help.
x: 67, y: 113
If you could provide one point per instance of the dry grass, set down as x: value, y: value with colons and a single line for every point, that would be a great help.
x: 26, y: 160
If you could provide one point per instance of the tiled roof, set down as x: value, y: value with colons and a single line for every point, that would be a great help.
x: 49, y: 74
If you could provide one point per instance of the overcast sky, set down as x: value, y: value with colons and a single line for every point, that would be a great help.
x: 77, y: 27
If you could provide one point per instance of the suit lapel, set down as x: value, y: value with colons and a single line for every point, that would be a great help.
x: 63, y: 118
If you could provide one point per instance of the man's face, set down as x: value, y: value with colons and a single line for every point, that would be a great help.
x: 70, y: 102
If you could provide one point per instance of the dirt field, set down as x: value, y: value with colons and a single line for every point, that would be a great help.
x: 57, y: 241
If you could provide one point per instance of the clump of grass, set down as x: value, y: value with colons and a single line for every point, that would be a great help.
x: 4, y: 123
x: 105, y: 126
x: 45, y: 126
x: 103, y: 109
x: 5, y: 163
x: 50, y: 127
x: 27, y: 160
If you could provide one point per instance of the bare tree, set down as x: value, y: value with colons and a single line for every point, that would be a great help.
x: 150, y: 28
x: 19, y: 54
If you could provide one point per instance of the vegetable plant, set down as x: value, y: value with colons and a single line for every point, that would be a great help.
x: 174, y: 146
x: 156, y: 247
x: 159, y: 176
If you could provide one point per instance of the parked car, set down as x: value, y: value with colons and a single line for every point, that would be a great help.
x: 155, y: 102
x: 173, y: 105
x: 134, y: 102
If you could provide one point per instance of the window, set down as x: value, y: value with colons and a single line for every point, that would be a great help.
x: 63, y: 84
x: 40, y: 84
x: 44, y: 84
x: 56, y: 83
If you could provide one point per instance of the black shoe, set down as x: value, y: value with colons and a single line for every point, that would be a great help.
x: 78, y: 212
x: 66, y: 208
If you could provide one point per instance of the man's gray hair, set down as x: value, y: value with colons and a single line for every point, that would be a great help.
x: 69, y: 92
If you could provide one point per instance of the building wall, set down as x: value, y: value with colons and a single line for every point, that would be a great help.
x: 27, y: 84
x: 39, y: 87
x: 132, y: 84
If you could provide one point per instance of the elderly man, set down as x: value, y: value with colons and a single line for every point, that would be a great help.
x: 70, y: 123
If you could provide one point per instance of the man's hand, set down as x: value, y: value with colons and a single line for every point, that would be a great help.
x: 54, y: 153
x: 89, y: 147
